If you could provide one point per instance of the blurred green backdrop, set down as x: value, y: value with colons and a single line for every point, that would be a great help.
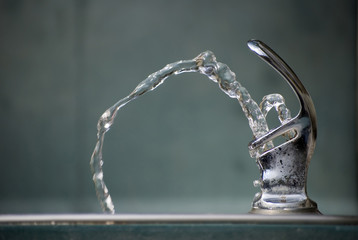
x: 183, y: 147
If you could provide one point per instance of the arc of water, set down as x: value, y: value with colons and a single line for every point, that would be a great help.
x: 205, y: 63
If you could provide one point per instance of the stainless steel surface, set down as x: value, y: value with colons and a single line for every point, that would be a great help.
x: 109, y: 219
x: 118, y: 226
x: 284, y: 168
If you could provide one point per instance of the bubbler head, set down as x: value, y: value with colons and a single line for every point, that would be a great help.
x: 284, y: 168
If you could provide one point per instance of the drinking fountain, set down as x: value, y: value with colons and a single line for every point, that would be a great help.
x: 282, y: 208
x: 284, y: 168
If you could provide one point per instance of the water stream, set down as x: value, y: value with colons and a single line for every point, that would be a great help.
x: 205, y: 63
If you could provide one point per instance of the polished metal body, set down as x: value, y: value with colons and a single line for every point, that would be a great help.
x: 284, y: 168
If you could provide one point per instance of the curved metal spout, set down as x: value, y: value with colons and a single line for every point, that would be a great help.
x: 284, y: 168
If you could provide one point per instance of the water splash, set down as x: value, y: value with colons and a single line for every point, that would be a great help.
x: 205, y: 63
x: 278, y: 102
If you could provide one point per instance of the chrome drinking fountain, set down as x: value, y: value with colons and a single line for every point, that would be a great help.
x: 283, y: 168
x: 281, y: 210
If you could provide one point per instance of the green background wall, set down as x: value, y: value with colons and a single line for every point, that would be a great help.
x: 183, y: 147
